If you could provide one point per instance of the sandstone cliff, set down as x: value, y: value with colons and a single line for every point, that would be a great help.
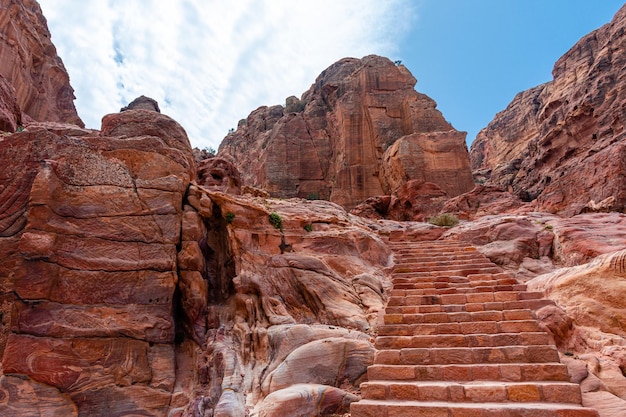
x: 561, y: 144
x: 361, y: 130
x: 30, y: 64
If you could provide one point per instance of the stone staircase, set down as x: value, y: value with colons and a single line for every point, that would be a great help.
x: 459, y: 339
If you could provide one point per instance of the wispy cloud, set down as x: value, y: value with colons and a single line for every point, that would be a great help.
x: 209, y: 63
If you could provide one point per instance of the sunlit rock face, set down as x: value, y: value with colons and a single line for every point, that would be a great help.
x: 30, y: 64
x: 361, y: 130
x: 562, y: 144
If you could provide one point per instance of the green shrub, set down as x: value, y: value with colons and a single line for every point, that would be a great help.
x: 230, y: 217
x: 444, y: 220
x: 276, y: 220
x: 308, y: 227
x: 313, y: 196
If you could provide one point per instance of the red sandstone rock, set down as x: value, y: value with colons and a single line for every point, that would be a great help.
x: 481, y: 201
x: 562, y: 143
x: 220, y: 175
x: 306, y: 400
x: 29, y: 62
x: 92, y: 224
x: 335, y: 142
x: 10, y: 114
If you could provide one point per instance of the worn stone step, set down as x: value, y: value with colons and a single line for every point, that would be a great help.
x: 515, y: 372
x: 455, y: 340
x: 474, y: 305
x: 479, y: 391
x: 472, y: 269
x: 465, y: 355
x: 402, y: 291
x: 438, y: 266
x: 453, y: 281
x: 458, y: 316
x: 461, y: 328
x: 479, y: 297
x: 376, y: 408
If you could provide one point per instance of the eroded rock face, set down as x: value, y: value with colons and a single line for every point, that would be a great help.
x: 29, y: 63
x: 336, y: 142
x: 288, y: 302
x: 92, y: 222
x: 589, y: 322
x: 562, y: 144
x: 10, y: 114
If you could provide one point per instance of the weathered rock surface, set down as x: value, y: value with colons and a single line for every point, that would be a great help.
x: 562, y: 144
x: 10, y: 114
x: 29, y: 63
x: 360, y: 131
x: 220, y: 175
x: 591, y: 324
x: 91, y: 224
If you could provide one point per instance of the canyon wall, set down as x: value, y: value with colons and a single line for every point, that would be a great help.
x: 30, y: 64
x: 561, y: 144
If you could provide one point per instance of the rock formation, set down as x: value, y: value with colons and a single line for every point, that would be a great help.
x: 562, y: 144
x: 360, y: 131
x: 29, y: 62
x: 134, y: 281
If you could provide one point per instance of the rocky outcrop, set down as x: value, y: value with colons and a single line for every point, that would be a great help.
x: 91, y: 221
x: 29, y: 62
x: 361, y: 130
x: 562, y: 144
x: 10, y: 114
x: 590, y: 324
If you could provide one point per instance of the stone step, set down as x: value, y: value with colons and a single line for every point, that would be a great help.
x: 399, y: 291
x: 478, y: 297
x: 465, y: 355
x: 407, y: 260
x: 375, y: 408
x: 480, y: 391
x: 455, y: 340
x: 460, y: 328
x: 471, y: 305
x: 439, y: 266
x: 514, y: 372
x: 456, y: 282
x: 455, y: 317
x: 465, y: 271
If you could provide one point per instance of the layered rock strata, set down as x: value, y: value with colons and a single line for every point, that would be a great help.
x: 29, y: 63
x: 90, y: 227
x: 361, y: 130
x: 562, y: 144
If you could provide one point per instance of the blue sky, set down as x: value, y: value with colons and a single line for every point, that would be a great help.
x: 472, y: 57
x: 210, y: 63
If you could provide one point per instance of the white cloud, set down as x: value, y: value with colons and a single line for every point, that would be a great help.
x: 209, y: 63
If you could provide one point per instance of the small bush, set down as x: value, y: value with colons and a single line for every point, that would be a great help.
x: 276, y: 220
x: 230, y: 217
x: 308, y: 227
x: 444, y: 220
x: 313, y: 196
